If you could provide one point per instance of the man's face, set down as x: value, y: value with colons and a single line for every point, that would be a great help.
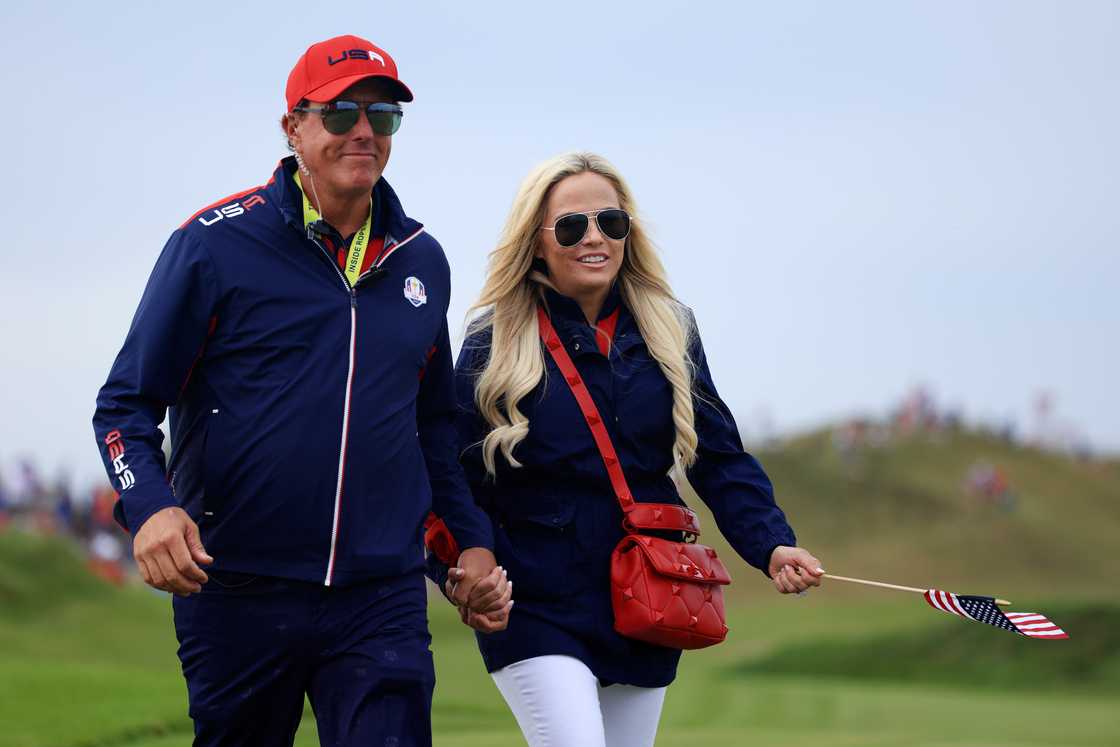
x: 350, y: 163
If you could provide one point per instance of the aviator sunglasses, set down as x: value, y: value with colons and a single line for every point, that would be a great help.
x: 340, y: 116
x: 614, y: 223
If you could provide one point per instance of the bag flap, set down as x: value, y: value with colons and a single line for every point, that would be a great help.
x: 682, y: 560
x: 667, y: 516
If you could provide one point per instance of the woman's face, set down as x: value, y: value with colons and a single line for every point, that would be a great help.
x: 588, y: 268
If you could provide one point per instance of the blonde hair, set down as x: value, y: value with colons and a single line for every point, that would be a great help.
x: 513, y: 289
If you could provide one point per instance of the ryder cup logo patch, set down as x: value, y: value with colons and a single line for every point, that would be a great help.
x: 414, y: 292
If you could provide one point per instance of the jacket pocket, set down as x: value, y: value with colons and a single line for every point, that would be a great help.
x: 187, y: 471
x: 538, y: 550
x: 557, y: 515
x: 213, y: 466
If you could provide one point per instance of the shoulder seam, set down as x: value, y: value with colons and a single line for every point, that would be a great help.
x: 223, y: 201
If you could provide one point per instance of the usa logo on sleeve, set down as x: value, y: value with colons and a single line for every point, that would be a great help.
x: 414, y: 292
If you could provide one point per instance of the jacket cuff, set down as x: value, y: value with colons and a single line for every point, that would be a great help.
x: 767, y: 546
x: 766, y: 564
x: 474, y: 536
x: 137, y: 505
x: 436, y: 570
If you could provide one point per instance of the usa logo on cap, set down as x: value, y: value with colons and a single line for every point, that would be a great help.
x: 329, y: 67
x: 414, y: 292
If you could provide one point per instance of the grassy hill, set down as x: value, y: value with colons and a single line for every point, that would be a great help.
x: 900, y: 513
x: 77, y: 656
x: 84, y: 664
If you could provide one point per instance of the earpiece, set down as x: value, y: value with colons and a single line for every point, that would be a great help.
x: 302, y: 166
x: 310, y: 181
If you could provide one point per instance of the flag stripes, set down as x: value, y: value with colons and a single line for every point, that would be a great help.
x: 1035, y: 625
x: 946, y: 602
x: 984, y: 609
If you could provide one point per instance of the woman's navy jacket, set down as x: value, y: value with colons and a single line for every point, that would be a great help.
x: 556, y: 519
x: 312, y: 423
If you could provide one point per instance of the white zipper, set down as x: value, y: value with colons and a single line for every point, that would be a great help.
x: 342, y: 446
x: 349, y: 387
x: 345, y: 410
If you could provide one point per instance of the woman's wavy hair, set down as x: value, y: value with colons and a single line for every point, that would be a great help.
x: 514, y: 287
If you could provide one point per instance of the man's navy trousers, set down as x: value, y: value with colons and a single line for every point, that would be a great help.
x: 252, y: 646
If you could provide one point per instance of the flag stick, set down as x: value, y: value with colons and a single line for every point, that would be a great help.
x: 891, y: 586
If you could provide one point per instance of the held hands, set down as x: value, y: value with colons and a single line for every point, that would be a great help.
x: 168, y: 552
x: 480, y: 589
x: 794, y: 569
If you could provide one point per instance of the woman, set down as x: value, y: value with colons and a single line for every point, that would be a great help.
x: 571, y: 247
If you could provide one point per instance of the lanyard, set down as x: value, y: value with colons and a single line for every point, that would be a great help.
x: 358, y: 246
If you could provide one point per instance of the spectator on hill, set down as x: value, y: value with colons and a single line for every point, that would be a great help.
x: 27, y: 488
x: 63, y: 502
x: 990, y: 483
x: 4, y: 519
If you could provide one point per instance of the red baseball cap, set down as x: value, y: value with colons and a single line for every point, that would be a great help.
x: 329, y: 67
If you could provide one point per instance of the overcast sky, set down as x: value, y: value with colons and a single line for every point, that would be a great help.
x: 854, y: 197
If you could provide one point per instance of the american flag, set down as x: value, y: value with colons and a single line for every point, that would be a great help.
x: 984, y: 609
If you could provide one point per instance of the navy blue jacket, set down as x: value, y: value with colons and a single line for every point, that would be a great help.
x: 556, y: 519
x: 312, y: 423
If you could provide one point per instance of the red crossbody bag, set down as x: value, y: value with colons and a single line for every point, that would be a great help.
x: 663, y: 592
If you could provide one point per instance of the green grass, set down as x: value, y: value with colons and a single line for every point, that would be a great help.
x: 946, y: 651
x: 85, y: 664
x: 100, y: 669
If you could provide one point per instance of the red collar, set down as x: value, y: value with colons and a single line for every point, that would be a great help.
x: 605, y: 332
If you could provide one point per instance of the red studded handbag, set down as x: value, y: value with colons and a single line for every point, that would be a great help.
x: 663, y: 592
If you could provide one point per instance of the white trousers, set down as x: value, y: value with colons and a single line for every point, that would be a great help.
x: 558, y: 702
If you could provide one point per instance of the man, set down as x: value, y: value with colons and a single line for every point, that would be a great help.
x: 298, y: 333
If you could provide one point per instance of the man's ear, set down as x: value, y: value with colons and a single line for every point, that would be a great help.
x: 289, y: 124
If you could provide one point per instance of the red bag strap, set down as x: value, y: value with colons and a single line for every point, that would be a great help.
x: 587, y: 406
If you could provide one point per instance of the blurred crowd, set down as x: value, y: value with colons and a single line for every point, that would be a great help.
x: 31, y: 502
x: 917, y: 415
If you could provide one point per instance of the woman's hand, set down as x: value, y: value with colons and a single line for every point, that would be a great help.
x: 794, y: 569
x: 488, y: 606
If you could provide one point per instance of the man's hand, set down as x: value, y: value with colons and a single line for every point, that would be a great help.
x: 794, y: 569
x: 478, y: 586
x: 168, y: 551
x: 487, y: 610
x: 476, y: 564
